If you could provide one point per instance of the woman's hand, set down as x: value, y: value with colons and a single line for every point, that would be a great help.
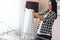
x: 42, y: 18
x: 37, y: 15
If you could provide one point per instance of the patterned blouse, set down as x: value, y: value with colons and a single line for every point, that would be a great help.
x: 46, y: 27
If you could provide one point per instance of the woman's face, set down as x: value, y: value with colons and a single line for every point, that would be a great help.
x: 49, y: 5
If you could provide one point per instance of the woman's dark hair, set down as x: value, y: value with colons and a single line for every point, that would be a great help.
x: 54, y: 6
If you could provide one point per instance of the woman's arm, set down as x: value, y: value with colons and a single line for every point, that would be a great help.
x: 37, y: 15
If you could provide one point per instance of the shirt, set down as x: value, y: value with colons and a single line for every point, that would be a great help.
x: 46, y: 27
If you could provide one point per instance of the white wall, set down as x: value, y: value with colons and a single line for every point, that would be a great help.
x: 56, y: 29
x: 43, y: 4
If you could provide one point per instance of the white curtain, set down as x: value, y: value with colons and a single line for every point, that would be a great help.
x: 11, y: 13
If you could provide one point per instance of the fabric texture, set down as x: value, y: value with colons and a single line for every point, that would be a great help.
x: 42, y: 37
x: 46, y: 27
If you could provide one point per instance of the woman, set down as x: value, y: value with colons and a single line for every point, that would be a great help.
x: 45, y: 32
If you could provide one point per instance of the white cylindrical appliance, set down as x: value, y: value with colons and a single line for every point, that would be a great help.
x: 28, y: 25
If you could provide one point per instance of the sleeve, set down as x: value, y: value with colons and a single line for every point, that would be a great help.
x: 42, y: 14
x: 51, y: 17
